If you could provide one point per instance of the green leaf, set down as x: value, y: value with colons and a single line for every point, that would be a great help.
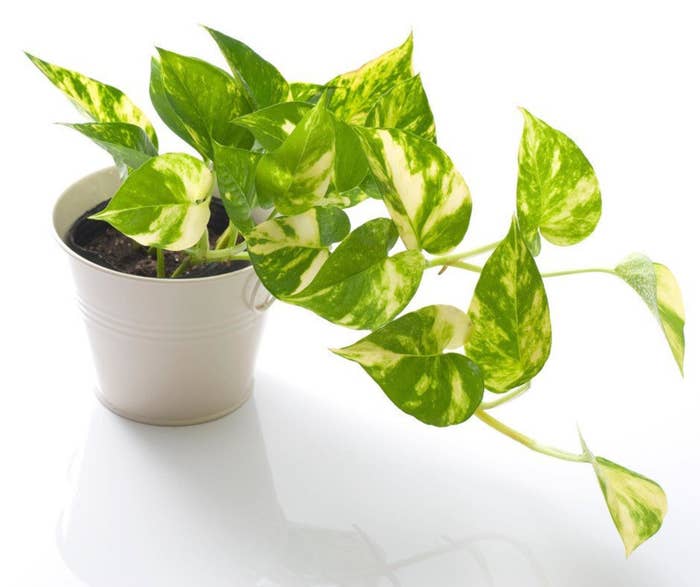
x: 127, y: 143
x: 306, y: 92
x: 360, y: 286
x: 404, y: 106
x: 205, y: 99
x: 272, y: 125
x: 164, y: 203
x: 511, y: 333
x: 425, y: 194
x: 636, y: 504
x: 659, y: 289
x: 558, y: 193
x: 98, y: 101
x: 357, y: 91
x: 288, y: 251
x: 406, y: 359
x: 350, y: 162
x: 235, y: 175
x: 160, y: 102
x: 264, y: 84
x: 296, y: 175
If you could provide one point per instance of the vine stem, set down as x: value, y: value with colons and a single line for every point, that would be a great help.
x: 184, y: 265
x: 160, y: 263
x: 531, y: 443
x: 505, y: 398
x: 441, y: 260
x: 575, y: 271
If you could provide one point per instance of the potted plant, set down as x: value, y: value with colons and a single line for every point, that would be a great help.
x: 167, y: 249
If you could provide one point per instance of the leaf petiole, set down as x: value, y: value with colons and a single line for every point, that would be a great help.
x: 160, y: 263
x: 505, y: 398
x: 576, y: 271
x: 448, y: 259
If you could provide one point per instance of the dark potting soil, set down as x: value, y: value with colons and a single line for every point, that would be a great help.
x: 97, y: 241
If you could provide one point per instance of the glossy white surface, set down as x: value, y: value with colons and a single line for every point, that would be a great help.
x: 321, y: 481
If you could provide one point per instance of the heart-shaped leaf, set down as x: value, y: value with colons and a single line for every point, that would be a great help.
x: 558, y: 193
x: 296, y: 175
x: 360, y: 286
x: 288, y: 251
x: 659, y: 289
x: 356, y: 92
x: 272, y: 125
x: 235, y: 176
x: 160, y: 102
x: 205, y: 99
x: 264, y: 84
x: 425, y: 194
x: 98, y: 101
x: 406, y: 358
x: 164, y: 203
x: 404, y: 106
x: 350, y: 162
x: 511, y: 333
x: 127, y: 143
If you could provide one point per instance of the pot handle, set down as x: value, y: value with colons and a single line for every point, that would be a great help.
x: 255, y: 292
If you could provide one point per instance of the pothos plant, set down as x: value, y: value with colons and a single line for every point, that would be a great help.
x: 304, y: 152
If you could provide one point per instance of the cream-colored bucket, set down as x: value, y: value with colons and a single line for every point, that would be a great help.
x: 166, y: 351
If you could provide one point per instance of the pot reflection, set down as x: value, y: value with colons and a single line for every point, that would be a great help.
x: 198, y: 506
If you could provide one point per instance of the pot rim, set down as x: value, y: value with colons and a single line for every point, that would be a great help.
x: 160, y: 280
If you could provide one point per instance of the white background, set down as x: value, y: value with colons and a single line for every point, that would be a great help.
x: 340, y: 467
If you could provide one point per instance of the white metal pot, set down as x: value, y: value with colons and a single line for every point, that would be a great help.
x: 166, y: 351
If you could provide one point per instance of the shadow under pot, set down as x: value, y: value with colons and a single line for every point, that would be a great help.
x: 166, y: 351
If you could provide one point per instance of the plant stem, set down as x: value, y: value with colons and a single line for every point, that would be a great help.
x: 228, y: 238
x: 220, y: 255
x: 464, y: 265
x: 160, y: 263
x: 449, y: 258
x: 584, y: 457
x: 575, y: 271
x: 529, y: 442
x: 272, y: 214
x: 182, y: 267
x: 505, y: 398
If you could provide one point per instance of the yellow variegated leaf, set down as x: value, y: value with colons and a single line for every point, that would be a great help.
x: 164, y: 203
x: 100, y: 102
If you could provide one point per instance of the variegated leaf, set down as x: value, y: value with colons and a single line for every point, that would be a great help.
x: 272, y: 125
x: 360, y: 286
x: 296, y: 175
x: 511, y: 333
x: 235, y: 176
x: 558, y: 193
x: 264, y: 84
x: 205, y: 99
x: 425, y: 194
x: 356, y: 92
x: 406, y: 358
x: 350, y: 162
x: 287, y: 252
x: 127, y: 143
x: 636, y: 504
x: 404, y: 106
x: 164, y: 203
x: 160, y: 102
x: 98, y: 101
x: 306, y: 92
x: 659, y: 289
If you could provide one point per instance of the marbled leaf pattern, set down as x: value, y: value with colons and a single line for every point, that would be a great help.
x: 404, y: 106
x: 511, y: 333
x: 288, y: 251
x: 98, y: 101
x: 351, y: 165
x: 423, y: 191
x: 407, y: 359
x: 162, y: 105
x: 306, y: 92
x: 659, y: 289
x: 296, y: 175
x: 264, y: 84
x: 127, y: 143
x: 272, y: 125
x: 164, y: 203
x: 360, y: 285
x: 558, y: 192
x: 205, y: 99
x: 356, y: 92
x: 235, y: 176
